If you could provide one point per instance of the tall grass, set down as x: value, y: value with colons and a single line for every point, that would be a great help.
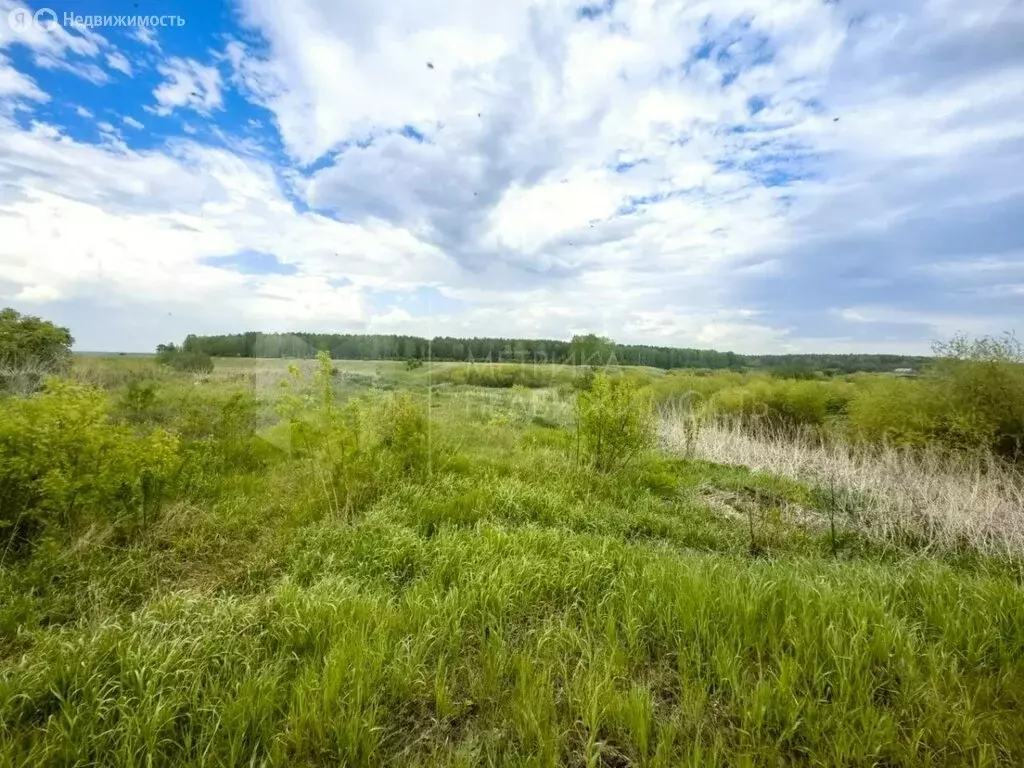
x: 945, y: 499
x: 534, y: 647
x: 332, y: 574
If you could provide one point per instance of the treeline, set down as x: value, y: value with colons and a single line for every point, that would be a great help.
x: 837, y: 363
x: 581, y: 350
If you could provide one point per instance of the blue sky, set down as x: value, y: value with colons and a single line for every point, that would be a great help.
x: 739, y: 174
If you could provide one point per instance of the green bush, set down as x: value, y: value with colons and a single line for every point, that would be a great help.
x: 506, y: 375
x: 692, y: 389
x: 220, y: 437
x: 971, y: 399
x: 794, y: 371
x: 25, y: 339
x: 584, y: 378
x: 982, y: 382
x: 64, y: 463
x: 402, y: 431
x: 30, y: 350
x: 614, y: 422
x: 899, y: 412
x: 184, y: 361
x: 138, y: 403
x: 109, y: 372
x: 783, y: 404
x: 353, y: 450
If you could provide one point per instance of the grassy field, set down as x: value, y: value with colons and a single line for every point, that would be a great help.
x: 382, y: 565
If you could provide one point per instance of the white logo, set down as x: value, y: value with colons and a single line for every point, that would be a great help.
x: 45, y: 18
x: 21, y: 19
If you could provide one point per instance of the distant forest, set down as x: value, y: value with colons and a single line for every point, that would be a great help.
x: 587, y: 349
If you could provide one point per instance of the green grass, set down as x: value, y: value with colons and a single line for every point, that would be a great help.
x: 504, y: 606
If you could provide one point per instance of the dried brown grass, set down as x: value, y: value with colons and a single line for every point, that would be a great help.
x: 947, y: 500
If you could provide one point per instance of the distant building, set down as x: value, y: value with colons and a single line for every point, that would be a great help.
x: 905, y: 372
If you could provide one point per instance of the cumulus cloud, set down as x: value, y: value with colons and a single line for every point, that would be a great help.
x: 740, y: 174
x: 146, y: 36
x: 119, y: 62
x: 137, y: 226
x: 14, y: 84
x: 56, y: 40
x: 53, y: 47
x: 85, y: 70
x: 188, y: 84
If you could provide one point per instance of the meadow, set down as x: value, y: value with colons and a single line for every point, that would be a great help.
x: 327, y: 562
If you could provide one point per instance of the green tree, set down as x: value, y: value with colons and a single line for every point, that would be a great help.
x: 28, y: 340
x: 30, y: 349
x: 591, y: 349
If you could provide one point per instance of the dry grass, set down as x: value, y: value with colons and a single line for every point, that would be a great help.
x: 885, y: 492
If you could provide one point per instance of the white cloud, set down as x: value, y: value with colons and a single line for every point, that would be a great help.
x: 119, y: 62
x: 742, y: 174
x: 131, y: 122
x: 940, y: 324
x: 14, y: 84
x: 83, y: 112
x: 189, y: 84
x: 84, y: 70
x: 146, y: 36
x: 137, y: 226
x: 55, y: 47
x: 57, y: 41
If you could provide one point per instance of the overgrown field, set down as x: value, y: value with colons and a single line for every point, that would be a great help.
x: 332, y: 563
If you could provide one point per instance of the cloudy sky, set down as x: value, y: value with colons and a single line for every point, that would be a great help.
x: 755, y: 175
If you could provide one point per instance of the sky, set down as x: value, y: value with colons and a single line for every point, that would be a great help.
x: 751, y: 175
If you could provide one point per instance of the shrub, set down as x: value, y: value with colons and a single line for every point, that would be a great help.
x: 401, y: 431
x: 26, y: 339
x: 506, y: 375
x: 138, y: 403
x: 968, y: 400
x: 30, y: 349
x: 63, y: 462
x: 324, y: 435
x: 184, y: 361
x: 794, y: 371
x: 219, y: 435
x: 900, y: 412
x: 352, y: 450
x: 690, y: 390
x: 614, y: 422
x: 115, y: 372
x: 982, y: 382
x: 584, y: 379
x: 784, y: 404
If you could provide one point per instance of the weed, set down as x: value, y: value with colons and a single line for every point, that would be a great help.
x: 614, y: 423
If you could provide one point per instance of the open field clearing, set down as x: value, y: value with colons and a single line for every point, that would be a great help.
x: 326, y: 562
